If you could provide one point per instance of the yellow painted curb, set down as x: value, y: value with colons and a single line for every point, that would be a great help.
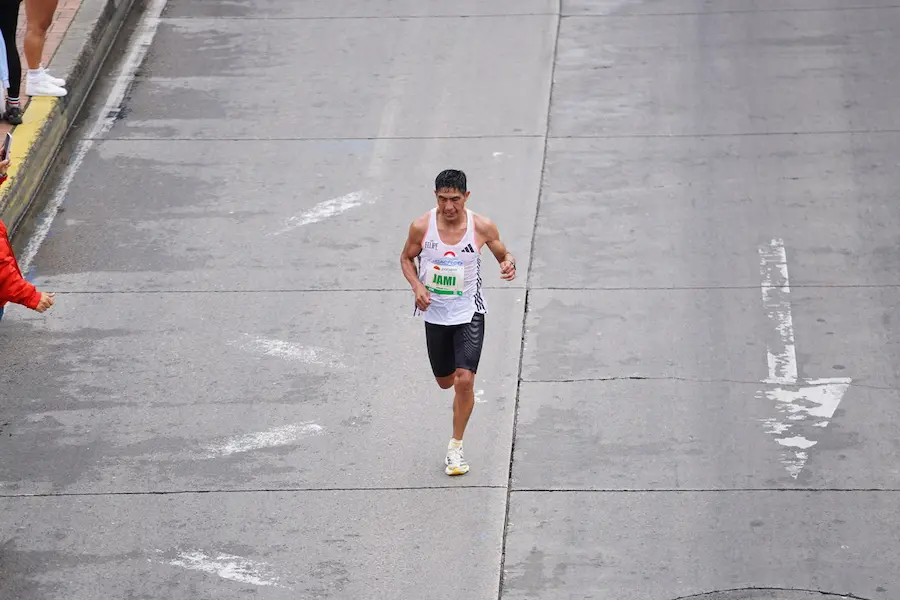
x: 26, y: 138
x: 26, y: 135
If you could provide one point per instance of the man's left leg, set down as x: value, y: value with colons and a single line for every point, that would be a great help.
x: 468, y: 341
x: 463, y: 401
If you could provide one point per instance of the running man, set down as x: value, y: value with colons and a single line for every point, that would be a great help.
x: 447, y: 240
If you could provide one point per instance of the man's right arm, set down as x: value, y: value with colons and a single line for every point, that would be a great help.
x: 411, y: 250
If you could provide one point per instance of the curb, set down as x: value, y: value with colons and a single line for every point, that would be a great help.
x: 46, y: 121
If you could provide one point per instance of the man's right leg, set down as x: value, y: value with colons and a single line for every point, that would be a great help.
x: 39, y: 17
x: 439, y: 340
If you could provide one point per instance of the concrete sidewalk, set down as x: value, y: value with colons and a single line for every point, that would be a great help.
x: 82, y: 34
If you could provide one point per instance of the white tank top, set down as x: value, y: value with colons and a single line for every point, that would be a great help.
x: 452, y: 274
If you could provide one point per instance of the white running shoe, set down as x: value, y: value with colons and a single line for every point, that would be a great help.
x: 54, y: 80
x: 455, y: 461
x: 41, y: 86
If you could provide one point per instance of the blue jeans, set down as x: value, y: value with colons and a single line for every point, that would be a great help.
x: 1, y: 311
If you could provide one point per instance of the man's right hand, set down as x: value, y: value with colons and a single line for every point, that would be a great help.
x: 423, y: 297
x: 45, y: 303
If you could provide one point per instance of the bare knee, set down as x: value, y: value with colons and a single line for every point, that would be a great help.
x: 39, y: 15
x: 465, y: 380
x: 446, y: 382
x: 39, y: 26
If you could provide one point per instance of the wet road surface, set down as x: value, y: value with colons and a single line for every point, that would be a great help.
x: 689, y: 391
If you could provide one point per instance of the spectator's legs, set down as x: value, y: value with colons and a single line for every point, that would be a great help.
x: 39, y: 15
x: 9, y: 22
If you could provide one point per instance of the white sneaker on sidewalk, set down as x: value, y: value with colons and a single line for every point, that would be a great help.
x: 42, y: 86
x: 54, y: 80
x: 455, y: 461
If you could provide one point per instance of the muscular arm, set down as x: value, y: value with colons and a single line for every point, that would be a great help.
x: 408, y: 261
x: 491, y: 236
x: 411, y: 250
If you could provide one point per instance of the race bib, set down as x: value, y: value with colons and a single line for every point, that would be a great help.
x: 446, y: 277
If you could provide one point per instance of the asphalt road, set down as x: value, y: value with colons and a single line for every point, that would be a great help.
x: 690, y: 390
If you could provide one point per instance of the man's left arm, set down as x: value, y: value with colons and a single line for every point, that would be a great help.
x: 491, y: 236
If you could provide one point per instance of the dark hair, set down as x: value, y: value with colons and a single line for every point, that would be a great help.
x: 451, y: 178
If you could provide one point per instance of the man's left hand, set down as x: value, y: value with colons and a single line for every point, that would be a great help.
x: 508, y: 270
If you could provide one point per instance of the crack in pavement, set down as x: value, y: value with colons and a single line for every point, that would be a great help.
x: 639, y: 378
x: 736, y: 11
x: 724, y: 134
x: 697, y: 490
x: 362, y: 17
x: 497, y: 136
x: 710, y: 595
x: 524, y: 331
x: 757, y: 382
x: 450, y: 487
x: 254, y: 491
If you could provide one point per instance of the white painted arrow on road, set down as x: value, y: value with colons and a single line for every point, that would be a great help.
x: 798, y: 403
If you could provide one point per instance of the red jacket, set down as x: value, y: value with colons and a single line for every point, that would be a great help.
x: 13, y: 287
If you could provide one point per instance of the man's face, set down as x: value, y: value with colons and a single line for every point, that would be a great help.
x: 451, y: 202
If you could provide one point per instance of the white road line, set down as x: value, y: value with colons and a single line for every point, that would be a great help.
x: 290, y: 351
x: 776, y: 291
x: 227, y: 566
x: 279, y: 436
x: 375, y: 171
x: 799, y: 404
x: 327, y: 209
x: 143, y: 39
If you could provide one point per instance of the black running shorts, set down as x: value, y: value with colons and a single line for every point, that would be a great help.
x: 452, y: 347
